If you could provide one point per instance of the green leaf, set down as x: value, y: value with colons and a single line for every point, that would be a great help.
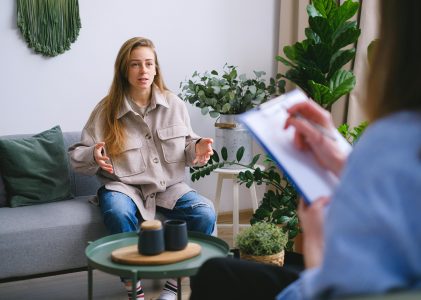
x: 320, y: 93
x: 226, y: 108
x: 321, y: 55
x: 346, y: 36
x: 224, y: 153
x: 254, y: 160
x: 252, y: 89
x: 201, y: 94
x: 216, y: 89
x: 284, y: 61
x: 259, y: 74
x: 311, y: 35
x: 345, y: 12
x: 214, y: 114
x: 204, y: 110
x: 339, y: 59
x: 322, y: 28
x: 342, y: 83
x: 214, y: 73
x: 240, y: 153
x: 215, y: 156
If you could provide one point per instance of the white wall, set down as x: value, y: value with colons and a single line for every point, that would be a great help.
x: 38, y: 92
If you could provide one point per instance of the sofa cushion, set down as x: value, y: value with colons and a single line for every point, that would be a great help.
x: 49, y: 237
x: 35, y: 169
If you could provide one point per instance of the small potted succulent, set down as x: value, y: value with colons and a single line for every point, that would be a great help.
x: 226, y: 95
x: 262, y: 242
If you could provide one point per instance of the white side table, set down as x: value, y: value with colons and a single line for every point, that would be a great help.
x: 232, y: 174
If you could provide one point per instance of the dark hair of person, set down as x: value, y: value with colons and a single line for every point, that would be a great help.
x: 395, y: 76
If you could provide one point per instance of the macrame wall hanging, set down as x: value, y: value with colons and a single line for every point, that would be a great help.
x: 49, y: 26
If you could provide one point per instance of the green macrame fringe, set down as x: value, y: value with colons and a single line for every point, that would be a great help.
x: 49, y: 26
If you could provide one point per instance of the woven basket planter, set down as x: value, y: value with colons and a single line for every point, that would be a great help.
x: 275, y: 259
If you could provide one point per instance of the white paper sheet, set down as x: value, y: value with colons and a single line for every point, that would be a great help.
x: 266, y: 124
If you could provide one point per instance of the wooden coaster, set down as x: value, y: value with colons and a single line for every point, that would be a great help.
x: 130, y: 255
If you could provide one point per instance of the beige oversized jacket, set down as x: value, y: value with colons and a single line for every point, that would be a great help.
x: 158, y: 148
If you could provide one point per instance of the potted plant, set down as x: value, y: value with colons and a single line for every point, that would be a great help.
x: 316, y: 63
x: 262, y: 242
x: 225, y: 96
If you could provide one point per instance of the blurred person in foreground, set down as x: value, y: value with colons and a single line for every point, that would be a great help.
x: 366, y: 239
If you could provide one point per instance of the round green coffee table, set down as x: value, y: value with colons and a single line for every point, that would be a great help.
x: 99, y: 257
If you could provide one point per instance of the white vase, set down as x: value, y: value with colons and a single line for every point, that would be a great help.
x: 230, y: 133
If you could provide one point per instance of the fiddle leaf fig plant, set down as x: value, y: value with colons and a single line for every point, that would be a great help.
x: 316, y: 63
x: 228, y: 93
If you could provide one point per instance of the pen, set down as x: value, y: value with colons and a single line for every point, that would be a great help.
x: 316, y: 126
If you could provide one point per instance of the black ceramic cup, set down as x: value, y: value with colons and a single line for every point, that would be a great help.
x: 151, y: 238
x: 175, y: 235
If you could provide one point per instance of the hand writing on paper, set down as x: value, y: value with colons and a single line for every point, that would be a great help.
x: 102, y: 159
x: 203, y: 151
x: 309, y: 138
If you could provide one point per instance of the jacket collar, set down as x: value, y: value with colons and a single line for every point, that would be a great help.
x: 158, y: 98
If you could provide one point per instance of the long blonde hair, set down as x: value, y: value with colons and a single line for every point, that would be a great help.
x: 395, y: 78
x: 109, y: 107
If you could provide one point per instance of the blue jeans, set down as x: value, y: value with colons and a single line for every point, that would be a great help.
x: 121, y: 214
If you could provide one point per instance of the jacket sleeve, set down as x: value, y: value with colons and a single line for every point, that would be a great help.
x: 82, y: 155
x: 191, y: 139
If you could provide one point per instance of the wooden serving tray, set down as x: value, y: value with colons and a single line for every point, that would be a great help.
x: 130, y: 255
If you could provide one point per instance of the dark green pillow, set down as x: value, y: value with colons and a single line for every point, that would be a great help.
x: 35, y: 169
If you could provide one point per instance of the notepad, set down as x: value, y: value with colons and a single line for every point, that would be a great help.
x: 266, y: 124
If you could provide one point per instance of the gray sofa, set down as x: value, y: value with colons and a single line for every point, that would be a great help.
x: 50, y: 237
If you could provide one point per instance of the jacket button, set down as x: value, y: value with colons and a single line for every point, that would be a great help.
x: 148, y: 136
x: 162, y: 182
x: 152, y: 195
x: 156, y: 160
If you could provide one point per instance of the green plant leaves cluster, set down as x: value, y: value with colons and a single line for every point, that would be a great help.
x: 316, y: 62
x: 352, y: 134
x: 228, y: 93
x: 279, y: 203
x: 262, y: 239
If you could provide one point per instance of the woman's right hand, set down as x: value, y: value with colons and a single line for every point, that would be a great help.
x: 101, y: 159
x: 308, y: 138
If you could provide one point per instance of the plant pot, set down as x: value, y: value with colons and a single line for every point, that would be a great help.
x: 231, y: 134
x: 274, y: 259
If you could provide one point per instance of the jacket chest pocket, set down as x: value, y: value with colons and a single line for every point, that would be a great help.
x: 173, y: 142
x: 130, y: 162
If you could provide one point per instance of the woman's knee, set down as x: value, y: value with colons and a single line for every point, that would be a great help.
x: 205, y: 217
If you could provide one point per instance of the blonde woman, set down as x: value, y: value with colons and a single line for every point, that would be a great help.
x: 138, y: 141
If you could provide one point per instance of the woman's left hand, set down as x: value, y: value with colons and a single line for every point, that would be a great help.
x: 311, y: 222
x: 203, y: 151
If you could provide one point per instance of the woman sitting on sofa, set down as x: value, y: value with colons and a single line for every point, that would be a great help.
x: 138, y: 141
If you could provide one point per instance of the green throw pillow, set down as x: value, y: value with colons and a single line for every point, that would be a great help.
x: 35, y: 169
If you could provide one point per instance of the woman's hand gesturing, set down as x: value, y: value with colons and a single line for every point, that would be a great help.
x: 101, y: 159
x: 203, y: 151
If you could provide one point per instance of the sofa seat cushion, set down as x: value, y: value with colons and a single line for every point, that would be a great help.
x: 47, y: 237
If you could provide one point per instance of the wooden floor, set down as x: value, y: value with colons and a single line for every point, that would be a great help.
x: 73, y: 286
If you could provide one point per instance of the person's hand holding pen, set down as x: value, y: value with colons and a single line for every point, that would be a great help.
x: 314, y: 130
